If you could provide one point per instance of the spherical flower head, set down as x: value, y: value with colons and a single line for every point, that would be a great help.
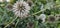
x: 51, y: 18
x: 30, y: 25
x: 57, y: 16
x: 50, y: 5
x: 9, y: 7
x: 21, y: 9
x: 30, y: 2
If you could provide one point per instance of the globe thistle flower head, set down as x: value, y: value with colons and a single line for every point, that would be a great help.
x: 57, y: 16
x: 9, y: 7
x: 30, y: 2
x: 50, y: 4
x: 21, y: 8
x: 30, y: 25
x: 51, y: 18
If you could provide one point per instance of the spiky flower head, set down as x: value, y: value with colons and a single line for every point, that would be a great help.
x: 21, y: 8
x: 51, y: 18
x: 30, y: 25
x: 30, y: 2
x: 57, y: 16
x: 9, y: 7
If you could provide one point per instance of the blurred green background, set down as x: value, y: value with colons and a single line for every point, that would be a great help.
x: 50, y: 7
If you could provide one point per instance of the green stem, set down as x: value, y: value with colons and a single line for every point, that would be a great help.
x: 10, y: 22
x: 38, y: 12
x: 36, y: 24
x: 17, y: 23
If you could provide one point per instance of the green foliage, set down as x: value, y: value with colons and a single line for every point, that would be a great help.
x: 9, y: 20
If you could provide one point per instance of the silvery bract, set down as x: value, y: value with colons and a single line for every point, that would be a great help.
x: 42, y: 17
x: 21, y: 8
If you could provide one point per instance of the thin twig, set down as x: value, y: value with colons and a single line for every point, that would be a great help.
x: 11, y: 22
x: 38, y: 12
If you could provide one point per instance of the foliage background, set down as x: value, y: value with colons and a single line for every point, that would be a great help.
x: 7, y: 17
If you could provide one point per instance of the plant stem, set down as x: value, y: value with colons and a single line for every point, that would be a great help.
x: 36, y: 24
x: 10, y: 22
